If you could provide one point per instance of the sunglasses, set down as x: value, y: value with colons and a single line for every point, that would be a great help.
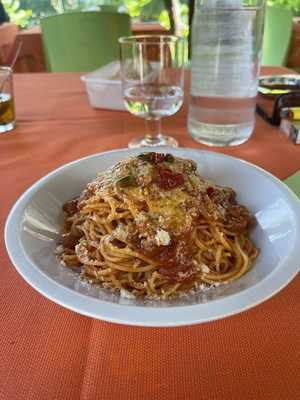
x: 285, y: 105
x: 284, y: 92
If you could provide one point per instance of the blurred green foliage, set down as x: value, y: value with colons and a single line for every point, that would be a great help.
x: 28, y: 12
x: 293, y: 4
x: 17, y: 14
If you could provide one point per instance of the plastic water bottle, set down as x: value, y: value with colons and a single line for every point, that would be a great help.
x: 226, y: 53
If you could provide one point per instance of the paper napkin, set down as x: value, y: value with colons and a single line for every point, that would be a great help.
x: 293, y: 183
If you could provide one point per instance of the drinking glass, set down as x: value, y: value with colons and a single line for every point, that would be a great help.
x: 152, y: 82
x: 7, y: 110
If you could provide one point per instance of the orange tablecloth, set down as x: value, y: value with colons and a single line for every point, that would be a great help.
x: 47, y: 352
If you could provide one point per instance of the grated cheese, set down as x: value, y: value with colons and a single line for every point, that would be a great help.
x: 126, y: 295
x: 162, y: 238
x: 205, y: 269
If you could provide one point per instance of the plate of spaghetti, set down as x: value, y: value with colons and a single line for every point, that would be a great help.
x: 156, y: 238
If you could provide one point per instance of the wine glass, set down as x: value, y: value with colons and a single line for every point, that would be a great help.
x: 152, y: 82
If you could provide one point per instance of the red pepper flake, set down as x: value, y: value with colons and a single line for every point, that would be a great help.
x: 142, y: 206
x: 210, y: 192
x: 117, y: 243
x: 69, y: 241
x: 168, y: 180
x: 70, y: 207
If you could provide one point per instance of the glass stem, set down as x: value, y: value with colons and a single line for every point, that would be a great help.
x: 153, y: 127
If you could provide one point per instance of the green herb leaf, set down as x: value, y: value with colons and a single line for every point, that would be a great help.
x: 146, y: 156
x: 169, y: 158
x: 126, y: 181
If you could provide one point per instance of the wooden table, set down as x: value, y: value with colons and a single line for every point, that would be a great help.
x: 31, y: 58
x: 48, y: 352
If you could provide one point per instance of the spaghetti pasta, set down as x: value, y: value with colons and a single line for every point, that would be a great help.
x: 152, y: 227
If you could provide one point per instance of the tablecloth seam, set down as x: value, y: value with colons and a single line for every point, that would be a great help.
x: 86, y: 358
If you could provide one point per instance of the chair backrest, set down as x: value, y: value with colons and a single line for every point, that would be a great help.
x: 277, y: 36
x: 82, y: 41
x: 109, y: 8
x: 8, y: 34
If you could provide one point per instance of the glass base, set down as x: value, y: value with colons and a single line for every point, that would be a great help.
x: 146, y: 141
x: 219, y: 143
x: 7, y: 127
x: 220, y: 135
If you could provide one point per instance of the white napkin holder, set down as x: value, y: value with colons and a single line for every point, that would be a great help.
x: 104, y: 87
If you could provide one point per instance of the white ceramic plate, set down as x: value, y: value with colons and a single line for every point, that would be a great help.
x: 33, y: 226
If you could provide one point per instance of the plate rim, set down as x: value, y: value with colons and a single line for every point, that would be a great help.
x: 163, y: 316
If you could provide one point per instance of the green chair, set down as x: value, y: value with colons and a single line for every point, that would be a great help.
x: 109, y: 8
x: 277, y: 36
x: 82, y: 41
